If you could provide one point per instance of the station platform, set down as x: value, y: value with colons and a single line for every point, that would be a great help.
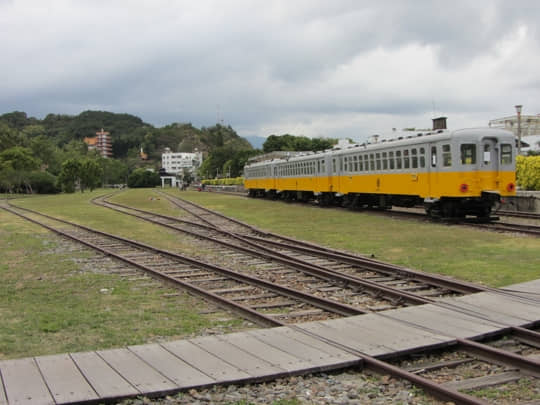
x: 260, y: 355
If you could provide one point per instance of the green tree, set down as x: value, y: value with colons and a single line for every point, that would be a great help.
x: 43, y: 183
x: 114, y: 171
x: 16, y: 164
x: 9, y: 137
x: 90, y: 174
x: 69, y: 176
x: 143, y: 178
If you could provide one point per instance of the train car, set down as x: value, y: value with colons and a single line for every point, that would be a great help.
x: 452, y: 173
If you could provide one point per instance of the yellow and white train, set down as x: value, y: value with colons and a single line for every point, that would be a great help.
x: 453, y: 173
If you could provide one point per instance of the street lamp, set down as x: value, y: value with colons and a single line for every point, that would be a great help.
x: 518, y: 110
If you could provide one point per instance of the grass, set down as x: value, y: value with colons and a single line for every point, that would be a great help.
x: 489, y: 258
x: 50, y: 303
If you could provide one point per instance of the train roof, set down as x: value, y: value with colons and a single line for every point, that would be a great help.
x: 412, y: 139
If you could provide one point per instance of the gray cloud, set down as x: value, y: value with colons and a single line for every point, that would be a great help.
x: 342, y: 68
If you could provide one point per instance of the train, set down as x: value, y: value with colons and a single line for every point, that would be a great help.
x: 452, y: 173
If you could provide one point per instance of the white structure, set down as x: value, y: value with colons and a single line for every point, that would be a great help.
x: 175, y: 163
x: 530, y: 124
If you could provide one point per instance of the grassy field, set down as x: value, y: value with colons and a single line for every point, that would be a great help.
x: 51, y: 303
x: 489, y: 258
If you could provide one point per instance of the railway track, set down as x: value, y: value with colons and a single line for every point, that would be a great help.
x: 519, y: 214
x: 262, y: 302
x: 349, y: 274
x: 270, y: 305
x: 416, y: 214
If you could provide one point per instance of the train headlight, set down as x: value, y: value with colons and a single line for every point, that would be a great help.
x: 464, y: 187
x: 510, y: 187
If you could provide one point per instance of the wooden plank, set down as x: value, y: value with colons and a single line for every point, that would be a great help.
x: 209, y: 364
x: 442, y: 321
x: 315, y: 357
x: 23, y: 382
x: 270, y: 354
x: 326, y: 350
x: 137, y: 372
x: 65, y: 381
x: 3, y: 399
x: 254, y: 366
x: 395, y: 334
x: 353, y: 338
x: 183, y: 374
x: 485, y: 381
x: 105, y: 380
x: 502, y: 308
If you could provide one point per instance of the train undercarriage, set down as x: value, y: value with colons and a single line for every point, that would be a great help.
x: 451, y: 208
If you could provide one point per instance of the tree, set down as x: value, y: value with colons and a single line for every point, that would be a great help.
x: 90, y: 174
x: 114, y: 171
x: 296, y: 143
x: 9, y: 137
x: 70, y: 175
x: 43, y: 183
x: 143, y: 178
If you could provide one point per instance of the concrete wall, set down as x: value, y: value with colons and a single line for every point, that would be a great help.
x: 527, y: 201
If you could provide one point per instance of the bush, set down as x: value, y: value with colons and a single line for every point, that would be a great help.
x: 528, y: 172
x: 43, y: 183
x: 143, y: 178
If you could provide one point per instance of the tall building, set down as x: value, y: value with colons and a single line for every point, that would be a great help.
x: 101, y: 142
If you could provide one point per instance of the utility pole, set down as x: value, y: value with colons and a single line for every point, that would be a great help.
x: 518, y: 110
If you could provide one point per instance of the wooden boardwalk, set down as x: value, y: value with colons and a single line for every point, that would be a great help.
x: 157, y: 369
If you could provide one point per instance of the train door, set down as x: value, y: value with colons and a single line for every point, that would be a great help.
x: 432, y: 172
x: 490, y: 162
x: 335, y: 179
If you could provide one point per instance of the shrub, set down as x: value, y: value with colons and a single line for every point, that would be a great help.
x: 43, y: 183
x: 528, y: 172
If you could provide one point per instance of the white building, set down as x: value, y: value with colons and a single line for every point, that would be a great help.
x: 530, y: 124
x: 175, y: 163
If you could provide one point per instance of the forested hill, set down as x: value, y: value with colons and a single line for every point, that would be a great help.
x: 128, y: 133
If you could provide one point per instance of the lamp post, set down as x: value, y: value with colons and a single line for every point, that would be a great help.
x: 518, y: 110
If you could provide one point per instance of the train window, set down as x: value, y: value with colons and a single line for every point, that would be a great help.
x: 318, y: 166
x: 345, y: 163
x: 406, y: 162
x: 378, y: 160
x: 355, y: 159
x: 414, y: 158
x: 446, y: 156
x: 487, y: 154
x: 360, y: 164
x: 323, y: 166
x: 468, y: 154
x: 391, y: 160
x: 422, y: 157
x: 506, y: 153
x: 384, y: 161
x: 433, y: 156
x: 398, y: 159
x: 366, y: 164
x: 340, y: 164
x: 371, y: 162
x: 334, y: 165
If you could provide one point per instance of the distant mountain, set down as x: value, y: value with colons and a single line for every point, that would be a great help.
x: 256, y: 141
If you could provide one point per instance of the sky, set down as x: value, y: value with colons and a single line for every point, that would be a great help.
x: 319, y: 68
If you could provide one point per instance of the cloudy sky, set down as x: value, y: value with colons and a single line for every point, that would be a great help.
x: 333, y: 68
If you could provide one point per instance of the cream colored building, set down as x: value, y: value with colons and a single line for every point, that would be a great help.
x: 530, y: 124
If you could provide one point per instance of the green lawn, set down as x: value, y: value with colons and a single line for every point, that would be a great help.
x: 50, y: 302
x: 489, y: 258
